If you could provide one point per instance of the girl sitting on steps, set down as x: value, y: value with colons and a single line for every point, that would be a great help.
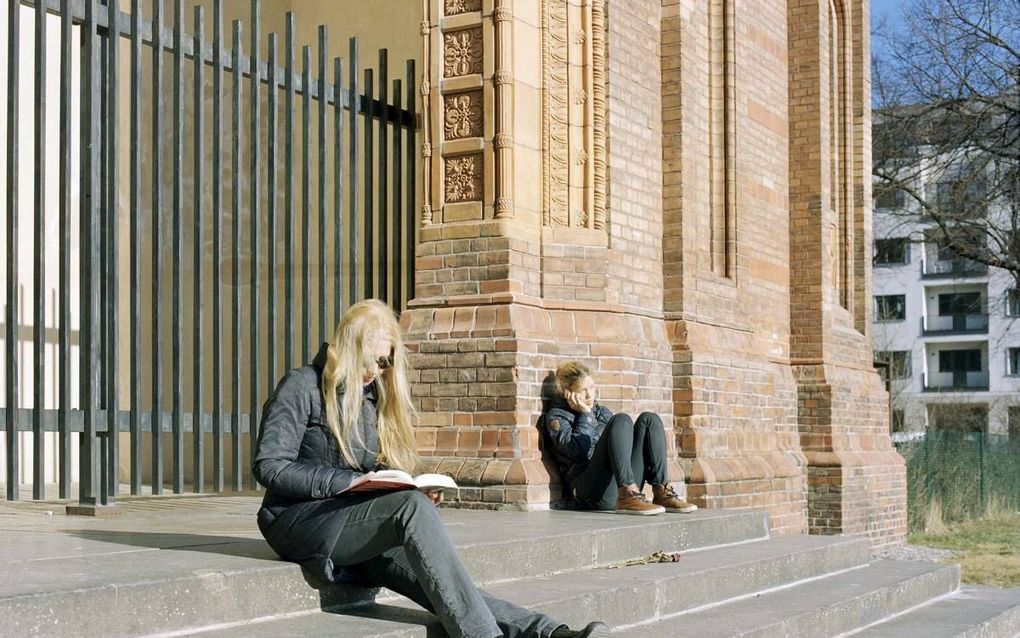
x: 606, y: 459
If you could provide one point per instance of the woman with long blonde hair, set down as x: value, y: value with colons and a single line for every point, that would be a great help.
x: 348, y: 413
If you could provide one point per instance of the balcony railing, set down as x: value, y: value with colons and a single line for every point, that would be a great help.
x: 939, y: 325
x: 955, y: 381
x: 951, y: 268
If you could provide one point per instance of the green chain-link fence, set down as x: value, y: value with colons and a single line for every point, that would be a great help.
x: 961, y: 475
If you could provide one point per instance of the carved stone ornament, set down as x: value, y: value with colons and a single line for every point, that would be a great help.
x: 574, y: 114
x: 454, y: 7
x: 463, y: 178
x: 462, y: 52
x: 462, y: 115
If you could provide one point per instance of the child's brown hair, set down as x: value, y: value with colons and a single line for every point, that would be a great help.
x: 568, y: 374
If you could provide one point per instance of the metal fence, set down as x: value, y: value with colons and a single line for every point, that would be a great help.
x: 162, y: 229
x: 960, y: 475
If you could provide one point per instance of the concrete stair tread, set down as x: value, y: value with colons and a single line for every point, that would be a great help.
x: 170, y: 580
x: 365, y: 621
x: 826, y: 606
x: 971, y: 612
x: 104, y: 558
x: 618, y: 595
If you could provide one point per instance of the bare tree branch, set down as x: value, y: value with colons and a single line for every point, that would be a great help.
x: 947, y: 125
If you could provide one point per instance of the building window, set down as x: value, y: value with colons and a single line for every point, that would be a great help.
x: 898, y: 362
x: 960, y: 361
x: 1013, y: 416
x: 960, y: 303
x: 898, y: 423
x: 964, y: 198
x: 1013, y: 302
x: 1013, y: 362
x: 891, y: 251
x: 890, y: 307
x: 889, y: 198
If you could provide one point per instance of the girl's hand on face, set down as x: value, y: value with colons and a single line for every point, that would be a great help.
x: 576, y: 403
x: 435, y: 496
x: 571, y: 398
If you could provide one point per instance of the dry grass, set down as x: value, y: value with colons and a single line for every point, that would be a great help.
x: 990, y: 545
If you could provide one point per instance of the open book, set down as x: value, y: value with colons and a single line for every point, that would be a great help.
x: 399, y: 480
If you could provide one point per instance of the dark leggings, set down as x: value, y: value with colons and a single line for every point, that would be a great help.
x: 628, y: 453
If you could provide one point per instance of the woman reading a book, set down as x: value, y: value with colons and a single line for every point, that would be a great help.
x: 606, y: 458
x: 330, y: 423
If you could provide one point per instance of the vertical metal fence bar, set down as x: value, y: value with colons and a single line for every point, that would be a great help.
x: 271, y: 152
x: 39, y: 305
x: 64, y: 380
x: 354, y: 104
x: 197, y: 430
x: 306, y: 200
x: 217, y: 203
x: 398, y: 209
x: 178, y: 251
x: 156, y: 425
x: 369, y: 185
x: 255, y: 381
x: 101, y: 248
x: 338, y: 190
x: 135, y: 196
x: 235, y: 316
x: 112, y: 217
x: 11, y: 358
x: 381, y: 277
x: 411, y: 230
x: 88, y: 489
x: 323, y: 41
x: 288, y: 223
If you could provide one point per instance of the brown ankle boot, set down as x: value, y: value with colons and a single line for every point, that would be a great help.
x: 665, y: 496
x: 631, y: 501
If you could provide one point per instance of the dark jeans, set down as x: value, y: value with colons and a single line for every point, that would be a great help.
x: 398, y: 540
x: 628, y: 453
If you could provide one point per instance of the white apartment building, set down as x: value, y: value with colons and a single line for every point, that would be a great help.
x: 948, y: 327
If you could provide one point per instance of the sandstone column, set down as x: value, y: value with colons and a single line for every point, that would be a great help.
x: 856, y: 479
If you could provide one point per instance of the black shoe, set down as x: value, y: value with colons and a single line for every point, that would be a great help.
x: 593, y: 630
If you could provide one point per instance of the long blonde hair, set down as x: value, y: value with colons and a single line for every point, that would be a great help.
x: 347, y: 359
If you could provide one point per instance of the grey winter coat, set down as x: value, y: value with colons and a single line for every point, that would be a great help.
x: 299, y: 464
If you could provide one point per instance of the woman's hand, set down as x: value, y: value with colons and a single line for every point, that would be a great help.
x: 436, y: 496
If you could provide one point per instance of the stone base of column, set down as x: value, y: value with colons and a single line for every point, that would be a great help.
x: 856, y: 479
x: 481, y: 373
x: 503, y: 484
x: 775, y: 482
x: 737, y: 409
x: 859, y: 494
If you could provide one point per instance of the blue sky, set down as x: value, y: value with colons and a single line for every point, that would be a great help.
x: 888, y: 7
x: 892, y: 11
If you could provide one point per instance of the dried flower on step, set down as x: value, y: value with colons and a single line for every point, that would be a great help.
x: 659, y: 556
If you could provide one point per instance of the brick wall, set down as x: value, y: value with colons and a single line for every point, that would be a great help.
x: 736, y: 399
x: 708, y: 295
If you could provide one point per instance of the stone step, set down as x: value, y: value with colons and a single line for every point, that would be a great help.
x: 818, y: 608
x: 971, y: 612
x: 619, y: 596
x: 142, y: 583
